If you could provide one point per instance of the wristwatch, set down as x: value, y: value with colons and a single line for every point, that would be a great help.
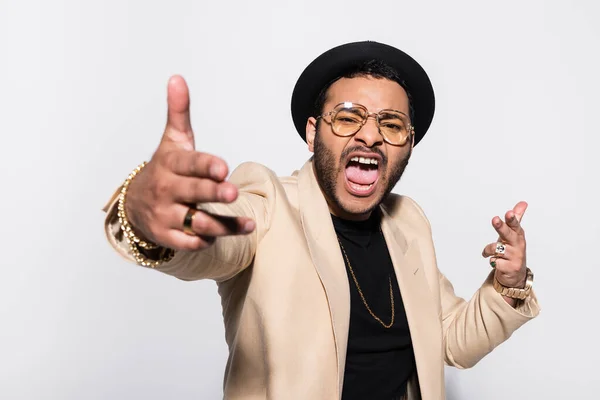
x: 515, y: 293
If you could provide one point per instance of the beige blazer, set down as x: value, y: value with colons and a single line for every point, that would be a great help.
x: 285, y: 292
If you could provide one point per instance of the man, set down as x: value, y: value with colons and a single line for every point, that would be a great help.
x: 329, y: 282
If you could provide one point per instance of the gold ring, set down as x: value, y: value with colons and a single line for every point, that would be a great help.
x: 187, y: 221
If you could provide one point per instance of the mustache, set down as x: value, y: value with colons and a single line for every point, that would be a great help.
x: 363, y: 149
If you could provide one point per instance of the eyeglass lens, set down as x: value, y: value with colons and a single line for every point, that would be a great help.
x: 348, y: 120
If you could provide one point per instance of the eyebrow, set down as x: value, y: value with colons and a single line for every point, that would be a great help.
x: 390, y: 111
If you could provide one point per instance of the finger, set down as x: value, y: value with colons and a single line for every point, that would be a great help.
x: 520, y: 209
x: 207, y: 224
x: 499, y: 264
x: 188, y: 190
x: 490, y: 250
x: 179, y: 126
x: 179, y: 240
x: 512, y: 220
x: 194, y: 163
x: 505, y: 232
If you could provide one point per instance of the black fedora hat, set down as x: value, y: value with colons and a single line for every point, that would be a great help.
x: 335, y: 62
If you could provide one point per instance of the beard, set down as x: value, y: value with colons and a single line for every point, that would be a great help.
x: 327, y: 169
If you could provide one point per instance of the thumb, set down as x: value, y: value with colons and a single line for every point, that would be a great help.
x: 179, y: 127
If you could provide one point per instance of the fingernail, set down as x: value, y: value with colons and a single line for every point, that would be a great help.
x: 249, y: 226
x: 216, y: 170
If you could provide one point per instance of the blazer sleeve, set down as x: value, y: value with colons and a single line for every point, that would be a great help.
x: 472, y: 329
x: 229, y: 255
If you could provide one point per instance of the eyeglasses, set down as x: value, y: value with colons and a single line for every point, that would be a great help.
x: 347, y: 118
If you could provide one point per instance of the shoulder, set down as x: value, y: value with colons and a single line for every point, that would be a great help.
x: 251, y: 173
x: 252, y: 176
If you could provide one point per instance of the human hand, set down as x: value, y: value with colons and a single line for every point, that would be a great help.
x: 511, y: 266
x: 177, y: 178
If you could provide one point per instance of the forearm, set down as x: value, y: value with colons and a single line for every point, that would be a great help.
x: 473, y: 329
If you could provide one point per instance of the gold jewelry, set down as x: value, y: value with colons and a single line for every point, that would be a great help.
x: 187, y: 221
x: 363, y: 297
x: 515, y: 293
x: 125, y: 226
x: 134, y: 242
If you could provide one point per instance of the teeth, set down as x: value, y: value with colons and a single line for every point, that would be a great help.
x: 361, y: 188
x: 364, y: 160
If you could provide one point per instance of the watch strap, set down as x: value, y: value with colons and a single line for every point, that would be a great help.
x: 515, y: 293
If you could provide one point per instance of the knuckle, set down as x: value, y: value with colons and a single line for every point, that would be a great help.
x: 198, y: 164
x: 169, y: 159
x: 196, y: 189
x: 161, y: 187
x: 162, y: 220
x: 200, y: 189
x: 216, y: 189
x: 193, y: 167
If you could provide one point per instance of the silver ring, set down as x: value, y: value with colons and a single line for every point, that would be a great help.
x: 500, y: 249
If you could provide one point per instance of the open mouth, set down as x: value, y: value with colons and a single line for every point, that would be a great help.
x: 362, y: 174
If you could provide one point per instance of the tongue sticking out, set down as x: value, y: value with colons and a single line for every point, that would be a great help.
x: 361, y: 174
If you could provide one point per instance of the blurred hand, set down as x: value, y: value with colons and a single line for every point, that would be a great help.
x: 177, y: 178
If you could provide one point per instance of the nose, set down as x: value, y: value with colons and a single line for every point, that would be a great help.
x: 369, y: 135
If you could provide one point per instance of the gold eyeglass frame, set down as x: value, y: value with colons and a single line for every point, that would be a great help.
x: 348, y: 104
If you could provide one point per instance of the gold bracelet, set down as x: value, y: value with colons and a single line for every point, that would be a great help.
x: 134, y: 242
x: 125, y: 226
x: 164, y: 256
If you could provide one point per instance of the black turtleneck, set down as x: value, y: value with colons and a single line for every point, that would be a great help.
x: 379, y: 360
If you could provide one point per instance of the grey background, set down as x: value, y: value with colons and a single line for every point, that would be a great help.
x: 82, y: 102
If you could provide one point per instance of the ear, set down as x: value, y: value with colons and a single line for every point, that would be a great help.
x: 311, y: 131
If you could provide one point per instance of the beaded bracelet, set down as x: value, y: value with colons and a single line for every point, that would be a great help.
x: 134, y: 242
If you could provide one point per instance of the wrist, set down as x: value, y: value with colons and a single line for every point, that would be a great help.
x: 515, y: 291
x: 145, y: 252
x: 518, y: 282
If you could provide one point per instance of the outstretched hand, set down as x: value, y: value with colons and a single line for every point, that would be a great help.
x: 511, y: 266
x: 177, y: 178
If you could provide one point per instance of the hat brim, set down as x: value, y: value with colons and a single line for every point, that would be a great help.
x: 337, y: 61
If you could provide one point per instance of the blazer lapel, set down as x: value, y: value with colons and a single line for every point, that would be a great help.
x: 420, y: 309
x: 329, y: 264
x: 327, y: 259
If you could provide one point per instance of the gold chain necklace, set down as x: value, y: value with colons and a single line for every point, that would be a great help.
x: 363, y: 297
